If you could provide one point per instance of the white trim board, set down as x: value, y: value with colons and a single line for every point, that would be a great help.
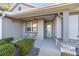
x: 0, y: 27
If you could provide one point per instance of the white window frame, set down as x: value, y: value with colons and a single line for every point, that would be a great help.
x: 30, y: 27
x: 24, y: 32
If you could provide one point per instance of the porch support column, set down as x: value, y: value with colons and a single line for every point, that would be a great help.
x: 40, y: 34
x: 65, y: 25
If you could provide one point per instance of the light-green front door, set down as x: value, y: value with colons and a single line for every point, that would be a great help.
x: 48, y: 30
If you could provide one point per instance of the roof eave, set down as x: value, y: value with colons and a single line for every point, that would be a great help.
x: 46, y: 10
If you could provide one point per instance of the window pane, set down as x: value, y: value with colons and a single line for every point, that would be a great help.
x: 28, y: 24
x: 28, y: 29
x: 34, y: 24
x: 19, y: 8
x: 34, y: 29
x: 31, y: 27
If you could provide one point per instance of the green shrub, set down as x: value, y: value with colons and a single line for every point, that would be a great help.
x: 2, y: 42
x: 7, y: 49
x: 8, y: 39
x: 25, y: 46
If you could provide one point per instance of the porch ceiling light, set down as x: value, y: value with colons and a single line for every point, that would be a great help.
x: 34, y: 19
x: 60, y: 14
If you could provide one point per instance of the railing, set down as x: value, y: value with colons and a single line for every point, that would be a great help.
x: 58, y: 42
x: 67, y: 46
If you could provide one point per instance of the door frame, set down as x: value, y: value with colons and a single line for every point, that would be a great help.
x: 45, y: 29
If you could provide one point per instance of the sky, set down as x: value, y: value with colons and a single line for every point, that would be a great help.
x: 34, y: 4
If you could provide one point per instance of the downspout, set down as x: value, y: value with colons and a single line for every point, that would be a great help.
x: 2, y: 15
x: 61, y: 16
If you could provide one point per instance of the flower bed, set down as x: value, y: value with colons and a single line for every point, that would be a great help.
x: 25, y: 46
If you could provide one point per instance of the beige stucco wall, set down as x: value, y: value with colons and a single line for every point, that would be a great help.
x: 11, y: 28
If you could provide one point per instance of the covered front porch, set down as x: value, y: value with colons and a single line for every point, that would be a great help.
x: 49, y: 26
x: 48, y: 37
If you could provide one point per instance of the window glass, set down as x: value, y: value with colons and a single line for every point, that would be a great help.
x: 19, y: 8
x: 34, y: 24
x: 28, y: 28
x: 34, y: 29
x: 28, y: 24
x: 31, y: 27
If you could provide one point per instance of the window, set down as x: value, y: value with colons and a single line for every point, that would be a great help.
x: 30, y: 27
x: 34, y: 28
x: 19, y: 8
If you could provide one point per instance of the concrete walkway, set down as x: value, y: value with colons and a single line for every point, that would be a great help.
x: 47, y: 47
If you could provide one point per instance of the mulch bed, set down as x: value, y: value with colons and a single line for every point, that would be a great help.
x: 33, y: 52
x: 66, y: 54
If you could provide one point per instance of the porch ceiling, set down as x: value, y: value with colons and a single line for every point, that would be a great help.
x: 73, y: 7
x: 46, y: 18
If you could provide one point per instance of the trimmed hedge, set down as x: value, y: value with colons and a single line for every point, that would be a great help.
x: 7, y: 49
x: 25, y: 46
x: 3, y: 42
x: 8, y: 39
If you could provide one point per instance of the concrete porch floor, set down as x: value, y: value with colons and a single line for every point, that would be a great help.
x: 47, y: 47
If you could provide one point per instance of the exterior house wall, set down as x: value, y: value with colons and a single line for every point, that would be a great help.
x: 23, y: 7
x: 58, y: 27
x: 0, y: 27
x: 73, y: 27
x: 15, y: 29
x: 40, y: 31
x: 54, y: 29
x: 40, y: 34
x: 28, y: 34
x: 11, y: 28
